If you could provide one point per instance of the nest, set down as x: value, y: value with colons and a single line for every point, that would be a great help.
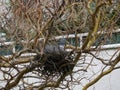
x: 54, y: 61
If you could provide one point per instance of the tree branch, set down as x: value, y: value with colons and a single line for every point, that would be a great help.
x: 117, y: 60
